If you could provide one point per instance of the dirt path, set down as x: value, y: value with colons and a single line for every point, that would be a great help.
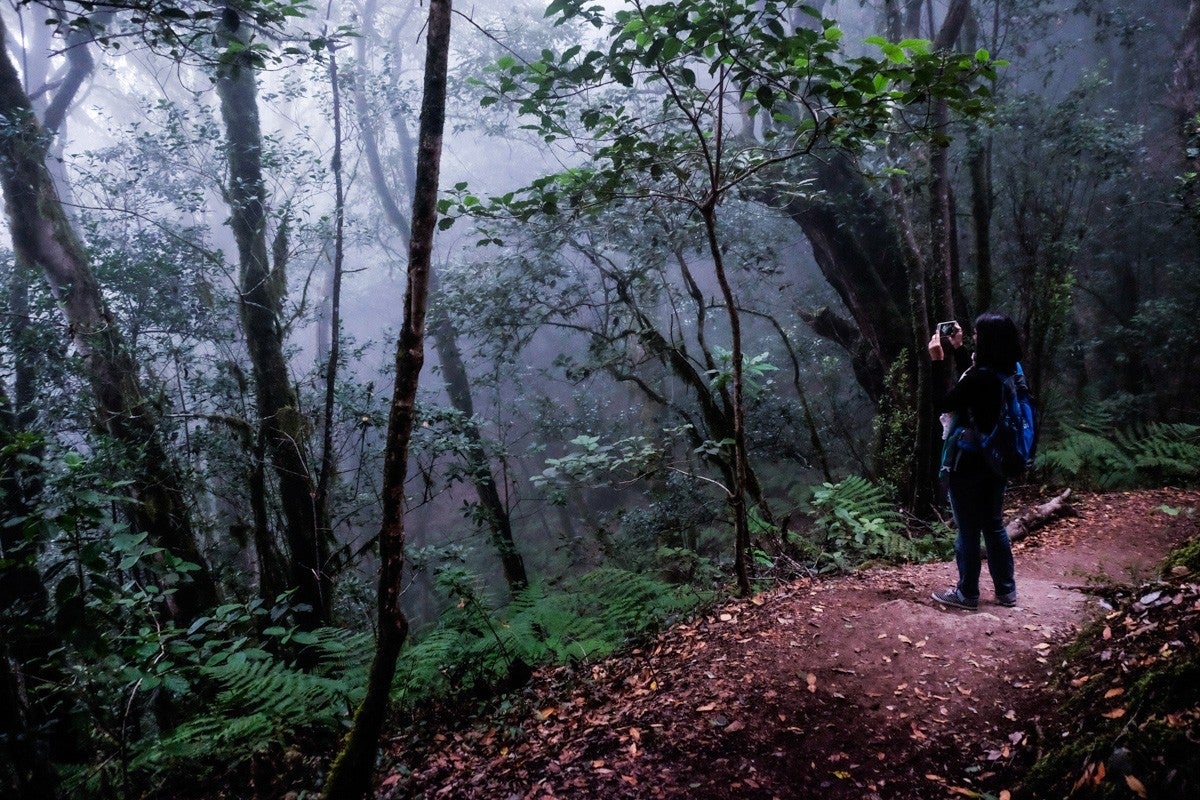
x: 853, y: 687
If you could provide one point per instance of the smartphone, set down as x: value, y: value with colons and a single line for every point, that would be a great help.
x: 947, y: 329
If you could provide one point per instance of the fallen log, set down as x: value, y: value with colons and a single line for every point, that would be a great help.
x: 1039, y: 515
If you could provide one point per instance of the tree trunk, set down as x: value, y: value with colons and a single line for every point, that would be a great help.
x: 350, y: 775
x: 944, y: 276
x: 43, y: 235
x: 941, y: 214
x: 737, y: 491
x: 860, y: 252
x: 260, y: 302
x: 458, y: 387
x: 454, y: 371
x: 328, y: 456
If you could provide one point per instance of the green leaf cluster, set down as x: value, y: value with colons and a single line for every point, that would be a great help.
x: 258, y: 700
x: 856, y: 521
x: 1139, y: 455
x: 476, y: 648
x: 652, y: 98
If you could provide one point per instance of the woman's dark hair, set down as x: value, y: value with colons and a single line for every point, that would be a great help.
x: 997, y: 343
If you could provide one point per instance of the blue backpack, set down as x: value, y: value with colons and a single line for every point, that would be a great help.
x: 1010, y: 447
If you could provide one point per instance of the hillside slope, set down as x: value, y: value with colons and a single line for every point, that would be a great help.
x: 857, y: 686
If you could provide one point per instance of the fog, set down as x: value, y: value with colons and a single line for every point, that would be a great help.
x: 604, y: 322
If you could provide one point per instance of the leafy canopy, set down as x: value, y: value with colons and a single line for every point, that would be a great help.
x: 687, y: 100
x: 196, y: 30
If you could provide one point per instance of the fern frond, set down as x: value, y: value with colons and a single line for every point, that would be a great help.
x: 1144, y: 454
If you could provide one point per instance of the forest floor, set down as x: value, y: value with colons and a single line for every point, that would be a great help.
x: 857, y: 686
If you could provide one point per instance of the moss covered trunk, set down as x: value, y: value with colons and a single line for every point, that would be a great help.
x: 43, y: 235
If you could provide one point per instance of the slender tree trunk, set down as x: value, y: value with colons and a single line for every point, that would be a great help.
x: 737, y: 492
x: 260, y: 302
x: 350, y: 775
x: 458, y: 387
x: 43, y: 235
x: 941, y: 213
x: 328, y: 457
x: 454, y: 372
x: 944, y: 275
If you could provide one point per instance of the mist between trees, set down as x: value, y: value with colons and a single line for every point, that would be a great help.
x: 687, y: 262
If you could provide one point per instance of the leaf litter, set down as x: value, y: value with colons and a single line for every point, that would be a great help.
x: 742, y: 703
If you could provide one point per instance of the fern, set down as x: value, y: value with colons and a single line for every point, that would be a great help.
x: 475, y: 648
x: 260, y: 700
x: 1143, y: 454
x: 855, y: 521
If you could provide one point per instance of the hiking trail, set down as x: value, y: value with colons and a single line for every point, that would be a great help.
x: 855, y: 686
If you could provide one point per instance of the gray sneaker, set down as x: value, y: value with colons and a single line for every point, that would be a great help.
x: 952, y: 597
x: 1007, y: 600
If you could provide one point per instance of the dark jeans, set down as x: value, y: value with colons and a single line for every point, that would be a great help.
x: 977, y: 500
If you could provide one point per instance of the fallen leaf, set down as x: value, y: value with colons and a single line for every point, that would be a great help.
x: 1107, y: 633
x: 726, y: 617
x: 1136, y: 786
x: 1116, y: 691
x: 959, y: 790
x: 735, y: 726
x: 904, y: 639
x: 706, y: 708
x: 841, y: 773
x: 1116, y: 713
x: 1005, y: 795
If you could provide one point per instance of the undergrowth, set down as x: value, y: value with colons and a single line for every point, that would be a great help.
x: 1104, y: 450
x: 855, y: 521
x: 476, y: 648
x: 1129, y: 719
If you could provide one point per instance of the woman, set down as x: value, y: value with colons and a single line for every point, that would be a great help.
x: 976, y: 491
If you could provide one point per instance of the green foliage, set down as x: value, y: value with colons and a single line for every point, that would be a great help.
x: 1141, y: 454
x: 475, y: 649
x: 755, y: 370
x: 260, y: 700
x: 185, y: 31
x: 595, y: 461
x: 855, y: 521
x: 143, y: 700
x: 700, y: 56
